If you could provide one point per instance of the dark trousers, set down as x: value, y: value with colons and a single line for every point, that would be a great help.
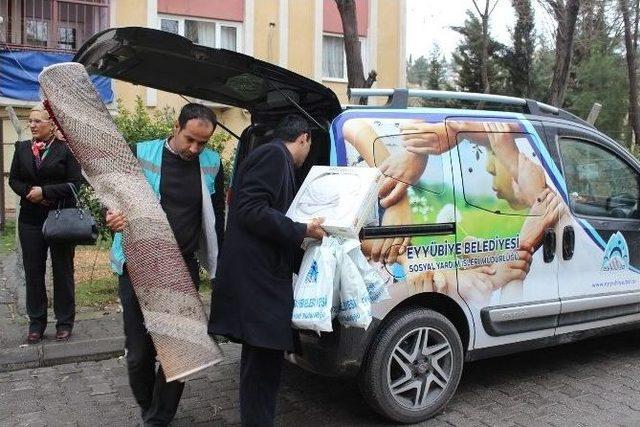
x: 34, y: 258
x: 260, y: 370
x: 157, y: 398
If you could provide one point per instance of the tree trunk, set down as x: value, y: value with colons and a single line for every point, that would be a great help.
x: 355, y: 70
x: 484, y: 70
x: 630, y: 42
x: 484, y: 46
x: 566, y: 16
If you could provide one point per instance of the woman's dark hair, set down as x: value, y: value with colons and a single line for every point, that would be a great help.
x: 196, y: 111
x: 290, y: 127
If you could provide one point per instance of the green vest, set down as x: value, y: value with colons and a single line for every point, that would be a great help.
x: 150, y: 158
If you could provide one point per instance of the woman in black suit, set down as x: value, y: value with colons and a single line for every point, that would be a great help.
x: 41, y: 171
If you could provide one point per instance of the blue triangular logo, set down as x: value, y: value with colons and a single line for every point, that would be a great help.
x: 616, y: 254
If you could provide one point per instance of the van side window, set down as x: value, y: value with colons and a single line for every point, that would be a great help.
x: 399, y: 164
x: 496, y: 169
x: 599, y: 183
x: 381, y: 143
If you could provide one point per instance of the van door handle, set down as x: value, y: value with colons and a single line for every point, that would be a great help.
x: 568, y: 243
x: 549, y: 245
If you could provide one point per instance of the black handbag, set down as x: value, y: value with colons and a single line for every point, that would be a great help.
x: 72, y: 226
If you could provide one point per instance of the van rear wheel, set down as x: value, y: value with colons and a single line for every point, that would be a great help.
x: 413, y: 367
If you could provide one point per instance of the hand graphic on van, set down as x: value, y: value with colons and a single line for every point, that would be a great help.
x: 516, y: 178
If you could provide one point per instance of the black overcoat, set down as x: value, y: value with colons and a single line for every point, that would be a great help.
x: 58, y: 169
x: 252, y: 298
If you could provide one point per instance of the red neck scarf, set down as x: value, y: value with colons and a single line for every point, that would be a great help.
x: 40, y: 150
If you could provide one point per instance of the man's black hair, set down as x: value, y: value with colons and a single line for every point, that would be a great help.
x: 291, y: 127
x: 196, y: 111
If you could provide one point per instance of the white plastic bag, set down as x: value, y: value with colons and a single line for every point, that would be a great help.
x: 355, y: 307
x: 376, y: 285
x: 313, y: 290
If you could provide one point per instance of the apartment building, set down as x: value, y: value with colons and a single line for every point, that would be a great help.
x: 304, y: 36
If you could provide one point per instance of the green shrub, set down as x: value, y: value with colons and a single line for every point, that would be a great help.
x: 139, y: 125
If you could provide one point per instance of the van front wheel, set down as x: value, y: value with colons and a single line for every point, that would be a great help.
x: 413, y: 367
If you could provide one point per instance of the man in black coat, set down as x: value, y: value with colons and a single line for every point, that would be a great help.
x: 252, y: 300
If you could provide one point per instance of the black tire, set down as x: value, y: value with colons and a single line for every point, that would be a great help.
x: 383, y: 366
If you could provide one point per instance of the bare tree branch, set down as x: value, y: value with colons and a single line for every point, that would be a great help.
x: 554, y: 7
x: 494, y: 6
x: 477, y: 8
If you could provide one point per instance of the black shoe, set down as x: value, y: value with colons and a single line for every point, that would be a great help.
x: 63, y: 334
x: 34, y: 337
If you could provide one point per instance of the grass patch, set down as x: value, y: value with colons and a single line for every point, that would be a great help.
x: 98, y: 292
x: 205, y: 282
x: 96, y: 285
x: 8, y: 237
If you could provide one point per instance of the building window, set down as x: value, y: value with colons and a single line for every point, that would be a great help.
x: 170, y: 25
x: 37, y: 32
x: 205, y: 32
x: 52, y: 24
x: 334, y: 60
x: 67, y: 38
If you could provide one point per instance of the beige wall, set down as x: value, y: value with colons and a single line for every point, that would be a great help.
x: 301, y: 36
x: 266, y: 39
x: 340, y: 89
x: 389, y: 44
x: 130, y: 13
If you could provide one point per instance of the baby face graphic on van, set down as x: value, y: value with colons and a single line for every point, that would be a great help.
x: 504, y: 183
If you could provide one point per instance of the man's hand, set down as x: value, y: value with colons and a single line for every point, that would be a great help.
x: 400, y: 170
x: 35, y: 195
x: 545, y: 213
x: 115, y: 221
x: 314, y: 230
x: 387, y: 250
x: 423, y: 138
x: 512, y: 270
x: 475, y: 284
x: 530, y: 180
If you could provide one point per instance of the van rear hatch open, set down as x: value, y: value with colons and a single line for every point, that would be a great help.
x: 172, y: 63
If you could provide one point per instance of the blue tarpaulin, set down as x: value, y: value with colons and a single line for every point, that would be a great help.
x: 19, y: 72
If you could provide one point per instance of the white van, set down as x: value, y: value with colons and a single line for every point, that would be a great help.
x: 498, y: 231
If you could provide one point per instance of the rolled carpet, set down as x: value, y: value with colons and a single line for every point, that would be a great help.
x: 172, y: 309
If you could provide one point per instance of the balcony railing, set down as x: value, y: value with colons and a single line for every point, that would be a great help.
x: 51, y: 25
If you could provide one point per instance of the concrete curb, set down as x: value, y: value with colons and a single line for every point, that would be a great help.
x: 36, y: 356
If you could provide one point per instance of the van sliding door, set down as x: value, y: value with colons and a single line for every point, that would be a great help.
x: 507, y: 204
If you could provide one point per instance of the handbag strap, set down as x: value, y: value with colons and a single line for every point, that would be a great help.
x: 75, y: 196
x: 73, y: 190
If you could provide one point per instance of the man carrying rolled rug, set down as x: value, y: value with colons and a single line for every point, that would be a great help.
x: 188, y: 180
